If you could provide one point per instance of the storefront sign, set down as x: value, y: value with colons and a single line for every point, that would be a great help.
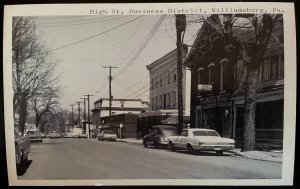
x: 203, y: 87
x: 214, y: 100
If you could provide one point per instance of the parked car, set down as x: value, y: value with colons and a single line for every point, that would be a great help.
x: 69, y: 134
x: 22, y: 148
x: 43, y: 135
x: 107, y: 135
x: 54, y: 134
x: 34, y: 135
x: 157, y: 136
x: 200, y: 139
x: 83, y: 135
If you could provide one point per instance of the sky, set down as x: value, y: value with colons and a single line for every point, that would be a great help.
x: 98, y: 41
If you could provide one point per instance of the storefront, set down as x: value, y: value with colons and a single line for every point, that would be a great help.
x: 269, y: 119
x: 215, y: 112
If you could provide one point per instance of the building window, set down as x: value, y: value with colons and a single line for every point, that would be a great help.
x: 152, y: 103
x: 222, y: 62
x: 174, y: 76
x: 160, y: 77
x: 272, y: 68
x: 199, y: 75
x: 156, y: 82
x: 169, y: 77
x: 168, y: 99
x: 174, y: 98
x: 211, y: 73
x: 152, y: 83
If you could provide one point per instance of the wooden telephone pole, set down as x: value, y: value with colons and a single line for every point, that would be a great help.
x: 110, y: 96
x: 78, y: 102
x: 88, y: 98
x: 180, y: 27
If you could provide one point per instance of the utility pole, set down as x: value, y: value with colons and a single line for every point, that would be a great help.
x: 110, y: 96
x: 84, y: 114
x: 180, y: 27
x: 72, y: 119
x: 88, y: 98
x: 79, y: 113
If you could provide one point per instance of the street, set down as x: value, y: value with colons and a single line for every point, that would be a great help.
x: 72, y: 158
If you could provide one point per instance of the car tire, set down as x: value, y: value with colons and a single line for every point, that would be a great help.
x: 172, y: 147
x: 102, y: 139
x: 156, y: 145
x: 145, y: 144
x: 190, y: 148
x: 98, y: 139
x: 219, y: 152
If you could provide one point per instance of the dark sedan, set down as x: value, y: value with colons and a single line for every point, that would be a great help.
x: 157, y: 136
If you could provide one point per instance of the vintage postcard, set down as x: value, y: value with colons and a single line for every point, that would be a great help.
x: 150, y: 94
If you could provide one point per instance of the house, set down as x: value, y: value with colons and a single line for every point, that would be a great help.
x: 217, y: 84
x: 119, y: 106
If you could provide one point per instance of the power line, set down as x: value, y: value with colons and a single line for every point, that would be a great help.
x: 76, y: 24
x: 93, y: 36
x: 75, y: 21
x: 172, y: 66
x: 140, y: 50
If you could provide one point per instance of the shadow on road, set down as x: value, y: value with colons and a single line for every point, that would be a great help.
x: 199, y: 153
x: 24, y: 167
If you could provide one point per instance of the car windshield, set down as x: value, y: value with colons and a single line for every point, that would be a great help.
x: 30, y: 132
x: 169, y: 131
x: 109, y: 132
x: 205, y: 133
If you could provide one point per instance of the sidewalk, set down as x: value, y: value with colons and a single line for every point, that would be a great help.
x: 273, y: 156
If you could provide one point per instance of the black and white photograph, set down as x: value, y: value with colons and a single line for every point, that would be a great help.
x: 150, y: 94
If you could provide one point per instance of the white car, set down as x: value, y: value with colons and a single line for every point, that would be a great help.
x: 200, y: 139
x: 107, y: 135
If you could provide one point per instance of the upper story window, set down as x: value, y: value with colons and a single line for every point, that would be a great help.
x: 161, y: 81
x: 199, y: 75
x: 174, y: 76
x: 156, y: 82
x: 222, y: 64
x: 152, y: 83
x: 272, y: 68
x: 211, y: 73
x: 169, y: 77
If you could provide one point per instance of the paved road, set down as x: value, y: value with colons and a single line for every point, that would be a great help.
x: 90, y: 159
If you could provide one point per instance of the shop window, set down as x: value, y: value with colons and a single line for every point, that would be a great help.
x: 265, y: 69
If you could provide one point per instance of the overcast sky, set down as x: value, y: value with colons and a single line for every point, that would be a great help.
x: 82, y: 63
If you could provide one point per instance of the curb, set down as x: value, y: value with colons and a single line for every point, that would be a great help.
x: 246, y: 157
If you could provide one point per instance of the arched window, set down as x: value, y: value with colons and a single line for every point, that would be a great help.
x: 199, y: 75
x: 222, y: 62
x: 210, y: 73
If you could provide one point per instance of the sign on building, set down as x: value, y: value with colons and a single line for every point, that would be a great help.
x: 204, y: 88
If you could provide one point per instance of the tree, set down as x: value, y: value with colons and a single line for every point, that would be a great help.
x: 251, y: 50
x: 33, y: 69
x: 44, y: 104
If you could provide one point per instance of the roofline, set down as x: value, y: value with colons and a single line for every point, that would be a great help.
x: 161, y: 59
